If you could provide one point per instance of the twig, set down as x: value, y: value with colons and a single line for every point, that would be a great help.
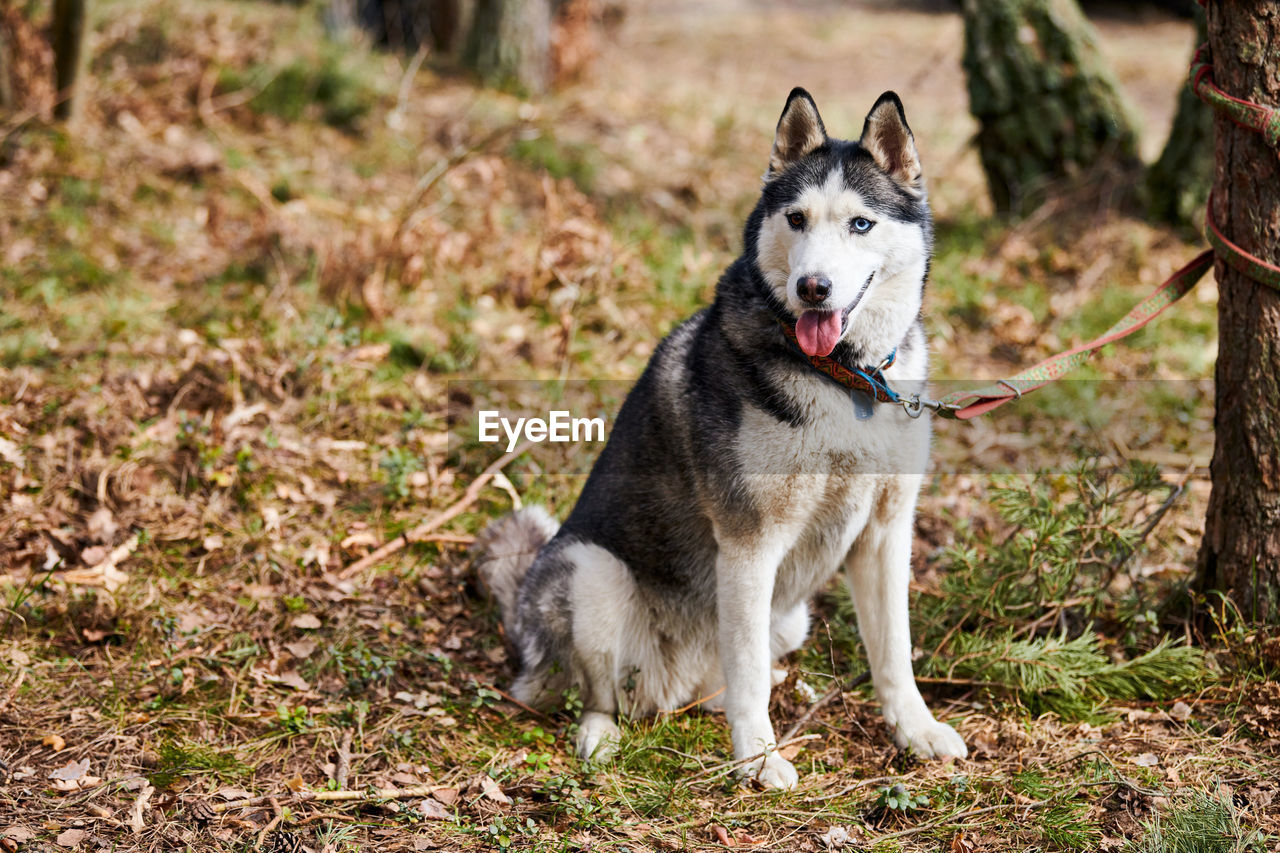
x: 272, y: 824
x: 443, y: 167
x: 334, y: 797
x: 343, y: 769
x: 961, y: 817
x: 514, y: 701
x: 105, y: 573
x: 833, y: 691
x: 468, y: 498
x: 695, y: 703
x: 406, y: 85
x: 136, y: 821
x: 13, y: 690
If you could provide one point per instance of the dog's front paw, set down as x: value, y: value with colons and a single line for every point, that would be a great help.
x: 771, y: 771
x: 598, y: 736
x: 929, y: 738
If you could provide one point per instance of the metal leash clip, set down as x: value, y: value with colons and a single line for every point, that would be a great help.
x: 915, y: 405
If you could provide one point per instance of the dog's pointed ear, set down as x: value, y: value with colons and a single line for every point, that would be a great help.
x: 800, y: 131
x: 888, y: 139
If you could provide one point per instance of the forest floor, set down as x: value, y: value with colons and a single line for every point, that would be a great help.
x: 249, y: 307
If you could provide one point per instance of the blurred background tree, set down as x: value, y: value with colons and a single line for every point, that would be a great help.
x: 510, y: 44
x: 68, y: 51
x: 1177, y: 184
x: 1047, y: 105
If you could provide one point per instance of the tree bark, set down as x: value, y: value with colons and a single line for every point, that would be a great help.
x: 510, y: 44
x: 1240, y: 554
x: 1047, y: 106
x: 1178, y: 183
x: 68, y: 51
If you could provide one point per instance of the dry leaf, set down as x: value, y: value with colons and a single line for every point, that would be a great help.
x: 301, y: 649
x: 448, y: 796
x: 306, y: 621
x: 72, y: 771
x: 432, y: 810
x: 72, y: 838
x: 363, y: 539
x: 230, y: 794
x: 102, y: 525
x: 291, y: 679
x: 490, y: 790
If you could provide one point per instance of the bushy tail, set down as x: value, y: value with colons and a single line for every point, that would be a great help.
x: 505, y: 551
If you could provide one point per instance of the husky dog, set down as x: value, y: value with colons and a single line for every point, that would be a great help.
x: 738, y: 478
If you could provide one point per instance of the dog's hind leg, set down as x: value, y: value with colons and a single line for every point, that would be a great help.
x: 879, y: 569
x: 602, y: 601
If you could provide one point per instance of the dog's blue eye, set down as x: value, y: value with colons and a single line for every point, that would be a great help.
x: 861, y: 225
x: 796, y: 220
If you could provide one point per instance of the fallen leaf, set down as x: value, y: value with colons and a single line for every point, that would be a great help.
x: 835, y: 837
x: 19, y: 833
x: 721, y: 835
x: 102, y: 525
x: 54, y: 742
x: 72, y: 838
x: 306, y: 621
x: 72, y: 771
x: 448, y: 796
x: 364, y: 539
x: 432, y: 810
x: 490, y: 790
x: 301, y: 649
x: 790, y: 751
x: 230, y: 794
x: 11, y: 453
x: 291, y: 679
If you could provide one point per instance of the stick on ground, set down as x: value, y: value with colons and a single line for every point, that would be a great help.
x: 414, y: 535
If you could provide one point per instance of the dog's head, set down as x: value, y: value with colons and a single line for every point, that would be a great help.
x: 842, y: 232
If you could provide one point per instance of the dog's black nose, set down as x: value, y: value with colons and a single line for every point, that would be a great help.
x: 814, y: 288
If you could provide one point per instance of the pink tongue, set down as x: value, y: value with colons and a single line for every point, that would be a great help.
x: 818, y: 331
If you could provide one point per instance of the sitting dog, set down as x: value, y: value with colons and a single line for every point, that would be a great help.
x: 743, y: 471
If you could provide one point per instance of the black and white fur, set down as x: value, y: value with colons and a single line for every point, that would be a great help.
x: 737, y: 481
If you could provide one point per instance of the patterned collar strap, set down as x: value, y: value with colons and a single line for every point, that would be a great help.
x: 869, y: 380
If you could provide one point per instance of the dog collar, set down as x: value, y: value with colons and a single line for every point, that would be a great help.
x: 868, y: 380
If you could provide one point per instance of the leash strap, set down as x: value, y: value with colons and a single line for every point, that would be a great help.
x: 1256, y: 117
x: 1260, y: 118
x: 964, y: 405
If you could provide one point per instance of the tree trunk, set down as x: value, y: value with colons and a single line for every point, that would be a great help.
x: 68, y: 51
x: 510, y: 44
x: 1047, y: 105
x: 1178, y: 183
x: 1240, y: 554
